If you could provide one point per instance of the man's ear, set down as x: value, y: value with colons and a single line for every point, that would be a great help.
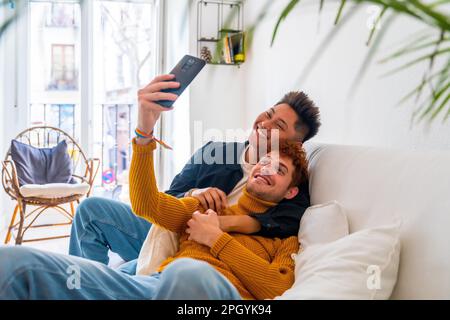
x: 291, y: 193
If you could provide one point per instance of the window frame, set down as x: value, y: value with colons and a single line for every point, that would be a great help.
x: 85, y: 79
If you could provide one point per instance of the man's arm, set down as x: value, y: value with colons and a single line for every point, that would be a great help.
x: 158, y: 207
x: 264, y: 279
x: 239, y: 224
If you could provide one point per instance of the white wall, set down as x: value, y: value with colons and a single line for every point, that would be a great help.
x: 217, y: 96
x: 371, y: 117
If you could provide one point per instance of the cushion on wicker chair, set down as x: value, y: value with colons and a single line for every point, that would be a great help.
x: 53, y: 190
x: 41, y: 165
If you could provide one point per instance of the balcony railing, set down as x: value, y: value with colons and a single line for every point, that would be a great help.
x: 115, y: 143
x: 59, y: 115
x: 111, y: 134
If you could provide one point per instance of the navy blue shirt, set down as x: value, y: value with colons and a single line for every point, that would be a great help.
x: 217, y: 164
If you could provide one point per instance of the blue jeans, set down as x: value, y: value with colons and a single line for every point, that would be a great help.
x: 101, y: 225
x: 27, y: 273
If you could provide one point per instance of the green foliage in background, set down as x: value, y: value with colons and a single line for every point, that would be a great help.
x: 431, y: 46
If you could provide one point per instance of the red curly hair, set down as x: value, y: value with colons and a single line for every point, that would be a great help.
x: 295, y: 151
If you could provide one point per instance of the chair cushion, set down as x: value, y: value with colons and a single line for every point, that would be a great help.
x: 53, y: 190
x: 41, y: 165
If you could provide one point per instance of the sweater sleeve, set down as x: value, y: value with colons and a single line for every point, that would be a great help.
x: 160, y: 208
x: 263, y: 278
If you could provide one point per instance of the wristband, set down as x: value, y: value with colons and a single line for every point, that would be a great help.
x: 140, y: 134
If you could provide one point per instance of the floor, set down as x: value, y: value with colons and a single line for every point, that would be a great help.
x: 54, y: 245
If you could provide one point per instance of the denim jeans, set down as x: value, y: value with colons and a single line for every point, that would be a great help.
x: 27, y: 273
x: 101, y: 225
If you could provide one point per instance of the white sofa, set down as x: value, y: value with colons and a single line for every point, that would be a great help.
x: 378, y: 186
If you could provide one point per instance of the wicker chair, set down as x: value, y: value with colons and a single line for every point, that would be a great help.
x: 84, y: 171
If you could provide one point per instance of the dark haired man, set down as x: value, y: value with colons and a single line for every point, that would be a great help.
x: 101, y: 225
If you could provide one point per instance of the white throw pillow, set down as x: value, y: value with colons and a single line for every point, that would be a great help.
x: 323, y: 223
x: 362, y: 265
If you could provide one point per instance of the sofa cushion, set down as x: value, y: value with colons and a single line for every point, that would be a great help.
x: 41, y: 165
x: 322, y: 223
x: 53, y: 190
x: 362, y: 265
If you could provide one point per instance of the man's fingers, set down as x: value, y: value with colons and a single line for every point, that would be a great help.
x: 156, y: 87
x: 202, y: 200
x: 163, y: 77
x: 209, y: 200
x: 217, y: 200
x: 156, y: 96
x: 211, y: 212
x: 223, y: 197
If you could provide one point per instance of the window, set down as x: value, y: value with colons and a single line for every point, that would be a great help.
x: 54, y: 61
x: 64, y: 74
x: 124, y: 53
x: 122, y: 44
x: 61, y: 15
x: 56, y: 115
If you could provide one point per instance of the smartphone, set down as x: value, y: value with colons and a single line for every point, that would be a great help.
x: 185, y: 71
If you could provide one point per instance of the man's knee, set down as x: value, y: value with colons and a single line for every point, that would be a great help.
x: 187, y: 270
x: 187, y: 278
x: 14, y: 259
x: 90, y: 207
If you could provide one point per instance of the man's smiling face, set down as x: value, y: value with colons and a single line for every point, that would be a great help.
x: 281, y: 118
x: 271, y: 178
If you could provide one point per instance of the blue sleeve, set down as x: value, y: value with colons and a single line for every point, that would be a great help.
x: 187, y: 178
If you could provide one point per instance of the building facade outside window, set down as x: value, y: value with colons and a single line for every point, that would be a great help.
x: 124, y: 56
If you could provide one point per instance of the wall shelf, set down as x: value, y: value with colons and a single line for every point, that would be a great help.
x: 220, y: 35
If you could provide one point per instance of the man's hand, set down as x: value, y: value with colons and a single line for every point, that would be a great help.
x: 149, y: 110
x: 204, y: 228
x: 211, y: 198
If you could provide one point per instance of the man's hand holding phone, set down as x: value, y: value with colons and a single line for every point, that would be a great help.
x: 148, y: 108
x: 159, y: 95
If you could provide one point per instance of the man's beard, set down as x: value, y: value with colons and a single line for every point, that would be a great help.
x: 263, y: 195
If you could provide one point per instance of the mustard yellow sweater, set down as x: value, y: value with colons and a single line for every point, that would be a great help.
x: 260, y: 268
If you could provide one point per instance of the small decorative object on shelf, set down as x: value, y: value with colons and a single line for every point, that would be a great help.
x: 220, y: 35
x: 206, y: 55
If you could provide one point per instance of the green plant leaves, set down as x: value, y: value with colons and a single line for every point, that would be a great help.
x: 291, y: 5
x: 431, y: 14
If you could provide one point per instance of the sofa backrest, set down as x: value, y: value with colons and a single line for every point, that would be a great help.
x: 381, y: 186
